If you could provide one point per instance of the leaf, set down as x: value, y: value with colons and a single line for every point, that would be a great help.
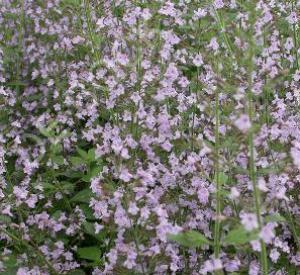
x: 222, y: 178
x: 73, y: 174
x: 46, y: 132
x: 190, y: 239
x: 88, y: 212
x: 239, y: 236
x: 276, y: 217
x: 83, y: 196
x: 56, y: 148
x: 11, y: 261
x: 91, y: 154
x: 76, y: 161
x: 92, y: 253
x: 89, y: 228
x: 95, y: 171
x: 58, y: 160
x: 10, y: 271
x: 5, y: 219
x: 82, y: 153
x: 76, y: 272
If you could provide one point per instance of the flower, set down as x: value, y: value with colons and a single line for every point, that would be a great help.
x: 249, y: 221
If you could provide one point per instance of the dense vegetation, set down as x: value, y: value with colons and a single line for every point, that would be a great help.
x: 149, y: 137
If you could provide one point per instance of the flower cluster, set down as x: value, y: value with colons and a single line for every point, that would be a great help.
x: 149, y: 137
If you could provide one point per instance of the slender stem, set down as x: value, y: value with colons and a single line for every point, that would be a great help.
x: 135, y: 238
x: 30, y: 245
x: 251, y: 148
x: 252, y: 174
x: 21, y: 26
x: 90, y: 29
x: 217, y: 179
x: 293, y: 227
x: 295, y: 41
x: 223, y: 33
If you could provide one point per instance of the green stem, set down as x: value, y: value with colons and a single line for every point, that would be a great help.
x: 223, y: 33
x: 90, y: 29
x: 217, y: 179
x: 251, y: 148
x: 295, y: 41
x: 20, y: 47
x: 252, y: 174
x: 30, y: 245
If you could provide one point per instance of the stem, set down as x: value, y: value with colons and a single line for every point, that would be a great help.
x: 295, y: 41
x: 223, y: 33
x: 251, y: 148
x: 31, y: 245
x: 252, y: 174
x: 20, y: 47
x: 90, y: 29
x: 217, y: 179
x: 135, y: 238
x: 293, y: 227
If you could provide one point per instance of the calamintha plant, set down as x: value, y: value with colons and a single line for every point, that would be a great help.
x: 149, y: 137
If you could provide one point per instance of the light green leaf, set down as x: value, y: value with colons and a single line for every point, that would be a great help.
x: 5, y: 219
x: 239, y: 236
x: 58, y: 159
x: 91, y: 154
x: 189, y: 239
x: 76, y: 160
x: 276, y: 217
x: 223, y: 178
x: 82, y: 153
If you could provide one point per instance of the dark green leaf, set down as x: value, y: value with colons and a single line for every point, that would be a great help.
x: 92, y: 253
x: 83, y: 196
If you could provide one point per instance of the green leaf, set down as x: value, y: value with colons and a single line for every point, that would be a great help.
x: 82, y: 153
x: 11, y: 261
x: 239, y: 236
x: 5, y: 219
x: 91, y: 154
x: 46, y: 132
x: 76, y: 272
x: 56, y: 148
x: 88, y: 212
x: 89, y: 228
x: 83, y: 196
x: 223, y: 178
x: 58, y: 160
x: 10, y: 271
x: 276, y: 217
x: 92, y: 253
x: 67, y: 186
x: 76, y: 160
x: 95, y: 171
x: 73, y: 174
x: 189, y: 239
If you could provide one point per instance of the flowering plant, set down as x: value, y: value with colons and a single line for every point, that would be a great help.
x: 149, y: 137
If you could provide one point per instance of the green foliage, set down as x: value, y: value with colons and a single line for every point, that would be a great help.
x: 82, y: 196
x: 190, y: 239
x: 91, y: 253
x: 239, y: 236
